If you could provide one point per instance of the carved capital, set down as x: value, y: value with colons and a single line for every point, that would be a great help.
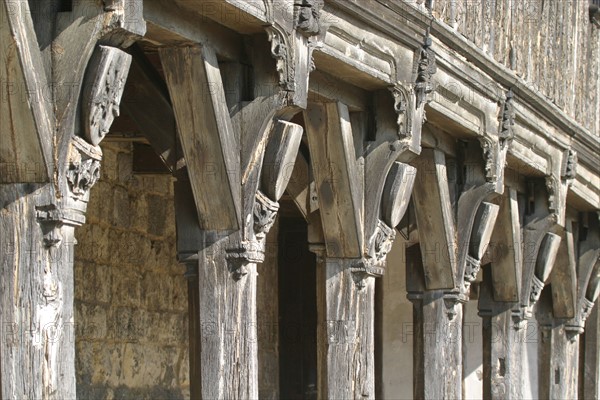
x: 453, y: 300
x: 426, y: 67
x: 380, y: 244
x: 577, y: 326
x: 265, y: 212
x: 83, y: 168
x: 238, y: 258
x: 103, y: 88
x: 364, y: 269
x: 535, y: 290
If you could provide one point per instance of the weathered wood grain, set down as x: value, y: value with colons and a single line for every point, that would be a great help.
x: 207, y: 137
x: 435, y: 219
x: 37, y: 354
x: 345, y: 338
x: 507, y: 250
x: 563, y: 278
x: 26, y: 118
x: 333, y: 162
x: 279, y: 159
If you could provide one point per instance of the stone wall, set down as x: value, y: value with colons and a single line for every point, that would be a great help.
x: 130, y: 293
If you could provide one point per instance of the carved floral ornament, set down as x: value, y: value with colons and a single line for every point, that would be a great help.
x: 83, y: 167
x: 103, y: 89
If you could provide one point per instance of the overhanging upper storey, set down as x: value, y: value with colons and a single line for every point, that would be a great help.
x: 365, y: 46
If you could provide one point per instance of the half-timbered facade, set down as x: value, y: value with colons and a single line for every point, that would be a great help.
x: 364, y: 198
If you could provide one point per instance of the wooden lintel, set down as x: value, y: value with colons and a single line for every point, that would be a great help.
x: 209, y: 143
x: 435, y: 219
x: 333, y: 163
x: 506, y: 250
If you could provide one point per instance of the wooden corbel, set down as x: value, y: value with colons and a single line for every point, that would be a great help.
x: 410, y: 100
x: 292, y: 46
x: 544, y: 223
x: 452, y: 258
x: 588, y: 278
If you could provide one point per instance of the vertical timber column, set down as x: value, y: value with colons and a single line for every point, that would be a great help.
x: 226, y: 202
x: 358, y: 212
x: 346, y: 364
x: 40, y: 211
x: 437, y: 340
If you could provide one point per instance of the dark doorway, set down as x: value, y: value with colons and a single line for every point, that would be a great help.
x: 297, y: 311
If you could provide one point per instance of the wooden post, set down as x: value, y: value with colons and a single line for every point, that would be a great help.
x: 55, y: 138
x: 358, y: 210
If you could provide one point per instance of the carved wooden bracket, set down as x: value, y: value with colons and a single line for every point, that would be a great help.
x: 103, y: 87
x: 426, y: 67
x: 588, y: 279
x: 293, y: 49
x: 558, y: 183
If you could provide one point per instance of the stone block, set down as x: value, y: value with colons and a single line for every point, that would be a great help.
x: 121, y: 215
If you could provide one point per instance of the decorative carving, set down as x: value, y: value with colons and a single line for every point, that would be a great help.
x: 577, y: 326
x: 50, y: 220
x: 239, y: 258
x: 265, y: 212
x: 552, y: 186
x: 471, y: 271
x: 280, y: 51
x: 308, y: 21
x: 84, y: 167
x: 536, y: 290
x: 453, y: 300
x: 569, y: 170
x: 402, y: 105
x: 380, y: 243
x: 365, y: 268
x: 102, y: 91
x: 507, y: 120
x: 425, y: 69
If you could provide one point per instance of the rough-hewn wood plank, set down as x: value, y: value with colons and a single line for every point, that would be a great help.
x: 280, y: 156
x: 506, y: 250
x: 207, y: 137
x: 333, y: 162
x: 37, y: 354
x: 563, y: 277
x: 26, y: 118
x: 346, y: 365
x: 435, y: 219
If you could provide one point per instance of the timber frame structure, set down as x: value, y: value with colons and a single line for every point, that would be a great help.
x: 370, y: 116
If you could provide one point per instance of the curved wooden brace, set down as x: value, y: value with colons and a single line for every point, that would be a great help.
x: 280, y: 157
x: 588, y: 268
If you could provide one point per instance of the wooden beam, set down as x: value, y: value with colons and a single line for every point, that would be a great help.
x: 507, y: 259
x: 333, y: 162
x: 435, y: 219
x: 26, y: 116
x: 208, y: 140
x: 563, y: 278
